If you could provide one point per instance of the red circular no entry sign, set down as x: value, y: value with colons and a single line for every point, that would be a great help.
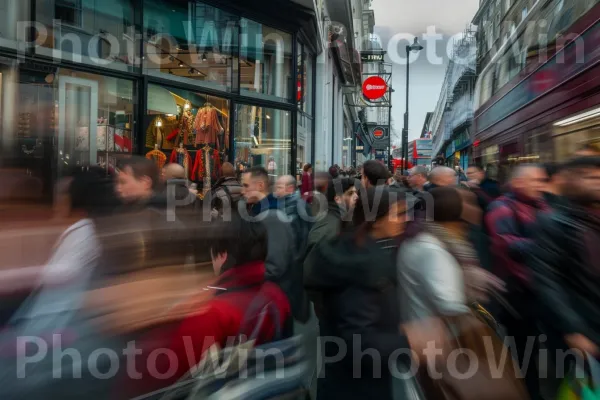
x: 374, y: 87
x: 378, y: 133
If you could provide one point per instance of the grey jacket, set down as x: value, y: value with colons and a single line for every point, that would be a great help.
x: 430, y: 278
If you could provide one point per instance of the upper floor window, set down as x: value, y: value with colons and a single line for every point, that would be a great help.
x: 68, y: 12
x: 524, y: 13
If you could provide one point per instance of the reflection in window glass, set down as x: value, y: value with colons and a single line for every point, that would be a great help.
x: 263, y: 137
x: 100, y: 33
x: 190, y: 40
x: 266, y: 61
x: 187, y: 128
x: 57, y: 119
x: 304, y: 140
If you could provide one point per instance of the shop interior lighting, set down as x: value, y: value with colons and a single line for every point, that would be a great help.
x: 268, y: 116
x: 181, y: 64
x: 255, y: 140
x: 578, y: 118
x: 204, y: 57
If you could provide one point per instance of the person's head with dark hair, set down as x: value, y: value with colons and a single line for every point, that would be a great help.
x: 587, y: 150
x: 307, y: 168
x: 381, y: 212
x: 90, y: 192
x: 334, y: 172
x: 555, y: 178
x: 237, y: 243
x: 455, y: 208
x: 374, y: 174
x: 227, y: 170
x: 255, y: 184
x: 581, y: 180
x: 137, y: 180
x: 342, y: 192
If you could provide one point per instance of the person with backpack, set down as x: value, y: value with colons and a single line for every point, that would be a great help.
x: 226, y: 192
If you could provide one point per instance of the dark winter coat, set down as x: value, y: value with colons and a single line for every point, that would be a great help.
x: 566, y: 268
x: 360, y: 305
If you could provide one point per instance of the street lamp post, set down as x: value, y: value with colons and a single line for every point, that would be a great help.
x: 416, y: 47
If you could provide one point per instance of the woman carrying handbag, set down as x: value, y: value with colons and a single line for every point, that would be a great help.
x: 440, y: 276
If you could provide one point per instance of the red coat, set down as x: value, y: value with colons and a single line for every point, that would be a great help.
x: 306, y: 188
x: 217, y: 320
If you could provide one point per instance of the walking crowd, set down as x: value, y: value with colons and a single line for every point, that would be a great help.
x: 342, y: 284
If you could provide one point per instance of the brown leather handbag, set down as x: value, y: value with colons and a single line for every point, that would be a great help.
x: 476, y: 366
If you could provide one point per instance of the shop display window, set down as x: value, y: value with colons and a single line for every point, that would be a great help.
x: 54, y: 119
x: 190, y: 40
x: 187, y: 128
x: 263, y: 137
x: 265, y: 61
x: 99, y: 33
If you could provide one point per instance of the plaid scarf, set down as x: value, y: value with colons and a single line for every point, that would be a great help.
x: 478, y: 282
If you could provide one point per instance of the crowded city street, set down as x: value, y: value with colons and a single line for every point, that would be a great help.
x: 300, y: 199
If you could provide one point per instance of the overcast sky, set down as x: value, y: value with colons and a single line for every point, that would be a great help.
x: 393, y: 17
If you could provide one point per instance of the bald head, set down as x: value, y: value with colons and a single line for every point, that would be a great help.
x: 530, y: 180
x: 173, y: 171
x: 285, y: 186
x: 443, y: 176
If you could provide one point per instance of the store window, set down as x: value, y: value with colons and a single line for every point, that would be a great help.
x: 187, y: 128
x: 263, y: 137
x: 190, y: 40
x: 100, y: 33
x: 55, y: 118
x: 265, y: 61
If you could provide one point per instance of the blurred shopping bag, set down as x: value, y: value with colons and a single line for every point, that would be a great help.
x: 582, y: 382
x: 474, y: 343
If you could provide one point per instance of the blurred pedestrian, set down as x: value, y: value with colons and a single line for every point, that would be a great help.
x: 283, y: 263
x: 306, y: 188
x: 510, y: 222
x: 227, y: 191
x: 486, y: 189
x: 565, y: 261
x: 374, y: 174
x: 358, y: 279
x: 440, y: 177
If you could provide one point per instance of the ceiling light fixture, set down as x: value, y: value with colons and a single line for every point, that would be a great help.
x: 204, y: 57
x: 181, y: 64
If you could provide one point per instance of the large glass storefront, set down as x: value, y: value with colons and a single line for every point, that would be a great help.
x: 176, y: 81
x: 56, y: 118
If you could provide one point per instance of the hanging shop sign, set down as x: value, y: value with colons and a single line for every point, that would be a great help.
x: 378, y: 132
x: 374, y: 87
x: 371, y: 56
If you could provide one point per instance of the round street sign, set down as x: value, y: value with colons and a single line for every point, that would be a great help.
x: 378, y: 133
x: 374, y: 87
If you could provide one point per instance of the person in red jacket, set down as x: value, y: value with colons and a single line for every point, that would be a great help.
x: 306, y: 189
x: 239, y: 296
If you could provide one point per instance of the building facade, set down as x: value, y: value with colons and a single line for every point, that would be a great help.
x: 453, y: 116
x: 187, y: 81
x: 536, y: 96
